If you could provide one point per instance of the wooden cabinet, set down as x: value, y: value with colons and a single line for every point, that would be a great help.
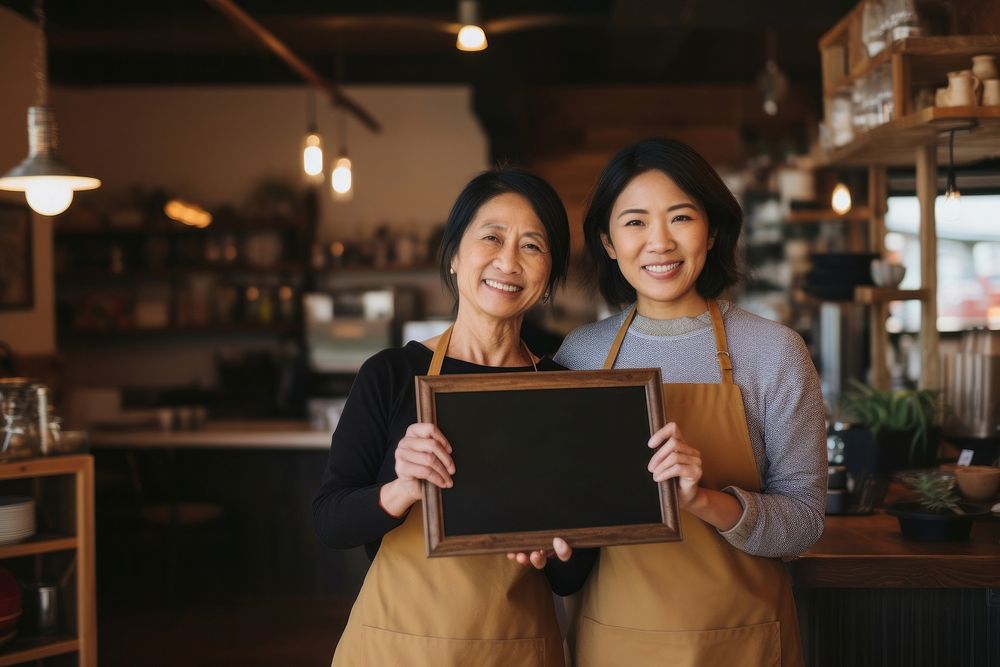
x: 63, y: 487
x: 910, y: 136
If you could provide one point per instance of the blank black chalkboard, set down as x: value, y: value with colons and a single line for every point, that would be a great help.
x: 540, y: 455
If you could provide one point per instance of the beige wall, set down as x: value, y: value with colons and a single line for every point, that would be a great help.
x: 29, y: 332
x: 213, y: 145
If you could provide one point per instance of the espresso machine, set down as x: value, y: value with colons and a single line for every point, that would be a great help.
x: 972, y: 395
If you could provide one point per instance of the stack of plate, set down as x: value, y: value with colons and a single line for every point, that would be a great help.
x: 17, y: 518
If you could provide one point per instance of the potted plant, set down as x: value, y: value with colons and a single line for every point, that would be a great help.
x: 936, y: 515
x: 900, y: 420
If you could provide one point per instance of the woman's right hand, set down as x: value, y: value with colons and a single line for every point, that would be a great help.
x: 422, y: 454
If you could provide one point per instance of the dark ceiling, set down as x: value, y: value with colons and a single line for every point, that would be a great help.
x: 405, y: 41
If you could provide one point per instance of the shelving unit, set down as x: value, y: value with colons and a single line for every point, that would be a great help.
x: 81, y: 609
x: 198, y: 281
x: 912, y: 137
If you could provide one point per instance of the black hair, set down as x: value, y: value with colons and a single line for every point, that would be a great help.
x: 502, y: 180
x: 692, y: 174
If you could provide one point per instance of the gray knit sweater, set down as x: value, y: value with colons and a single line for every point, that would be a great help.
x: 782, y: 398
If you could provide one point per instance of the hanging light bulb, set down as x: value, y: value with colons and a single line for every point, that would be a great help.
x: 951, y: 207
x: 312, y: 156
x: 772, y: 82
x: 471, y: 37
x: 342, y: 176
x: 312, y: 146
x: 342, y: 179
x: 840, y: 201
x: 45, y: 179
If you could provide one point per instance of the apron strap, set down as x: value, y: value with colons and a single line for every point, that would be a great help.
x: 721, y: 345
x: 439, y: 351
x: 616, y: 345
x: 442, y: 348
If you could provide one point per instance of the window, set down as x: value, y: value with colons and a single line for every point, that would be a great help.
x: 968, y: 261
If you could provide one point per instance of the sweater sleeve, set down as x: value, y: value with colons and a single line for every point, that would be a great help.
x: 787, y: 517
x: 346, y: 510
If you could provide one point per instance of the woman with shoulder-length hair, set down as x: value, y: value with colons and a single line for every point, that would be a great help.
x: 505, y: 248
x: 746, y: 431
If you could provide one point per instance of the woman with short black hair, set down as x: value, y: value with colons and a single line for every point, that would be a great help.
x: 505, y: 248
x: 746, y: 432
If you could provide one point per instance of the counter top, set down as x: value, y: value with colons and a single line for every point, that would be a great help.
x: 870, y: 552
x: 258, y: 434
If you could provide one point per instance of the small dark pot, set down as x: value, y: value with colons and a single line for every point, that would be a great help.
x: 917, y: 523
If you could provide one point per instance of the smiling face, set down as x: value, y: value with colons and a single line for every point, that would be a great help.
x: 503, y: 262
x: 659, y: 236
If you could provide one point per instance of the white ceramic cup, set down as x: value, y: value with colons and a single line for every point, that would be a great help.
x: 985, y: 67
x: 963, y: 87
x: 991, y: 92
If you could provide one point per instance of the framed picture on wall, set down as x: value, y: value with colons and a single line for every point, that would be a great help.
x: 16, y: 267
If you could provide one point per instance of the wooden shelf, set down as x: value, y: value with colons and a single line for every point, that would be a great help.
x: 931, y: 59
x: 869, y: 295
x: 81, y: 613
x: 169, y: 228
x: 71, y: 336
x: 895, y: 143
x: 388, y: 268
x: 35, y: 648
x: 827, y: 215
x: 38, y: 544
x: 131, y: 275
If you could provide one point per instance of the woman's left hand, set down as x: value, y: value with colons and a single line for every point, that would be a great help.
x: 538, y: 559
x: 675, y: 458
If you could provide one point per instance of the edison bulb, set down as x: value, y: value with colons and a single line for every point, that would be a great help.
x: 312, y: 155
x: 48, y: 196
x: 342, y: 180
x: 951, y: 206
x: 840, y: 202
x: 471, y: 38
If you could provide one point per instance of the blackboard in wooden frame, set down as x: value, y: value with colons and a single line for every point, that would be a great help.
x: 543, y: 455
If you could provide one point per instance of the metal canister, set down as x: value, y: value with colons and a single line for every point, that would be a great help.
x: 42, y: 410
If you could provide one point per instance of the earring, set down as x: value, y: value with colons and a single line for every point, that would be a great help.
x: 545, y: 298
x: 452, y: 270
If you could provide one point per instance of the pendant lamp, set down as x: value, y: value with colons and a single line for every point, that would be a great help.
x: 951, y: 207
x: 471, y: 36
x: 46, y: 180
x: 342, y: 175
x: 312, y: 146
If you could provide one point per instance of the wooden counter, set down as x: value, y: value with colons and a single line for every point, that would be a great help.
x: 866, y: 597
x: 260, y: 434
x: 870, y: 552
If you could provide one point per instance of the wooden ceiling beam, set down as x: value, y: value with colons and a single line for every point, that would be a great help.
x: 243, y: 20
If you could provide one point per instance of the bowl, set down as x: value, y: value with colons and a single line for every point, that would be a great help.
x: 886, y: 274
x: 978, y: 483
x: 916, y: 523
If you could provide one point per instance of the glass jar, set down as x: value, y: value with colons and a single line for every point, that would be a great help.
x: 18, y: 431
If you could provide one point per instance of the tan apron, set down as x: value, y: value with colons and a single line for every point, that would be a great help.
x: 700, y: 601
x: 466, y: 610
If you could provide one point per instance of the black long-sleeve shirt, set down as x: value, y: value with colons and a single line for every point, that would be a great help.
x: 381, y: 405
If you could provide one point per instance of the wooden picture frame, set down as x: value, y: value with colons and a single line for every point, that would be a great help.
x: 17, y: 285
x: 544, y: 455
